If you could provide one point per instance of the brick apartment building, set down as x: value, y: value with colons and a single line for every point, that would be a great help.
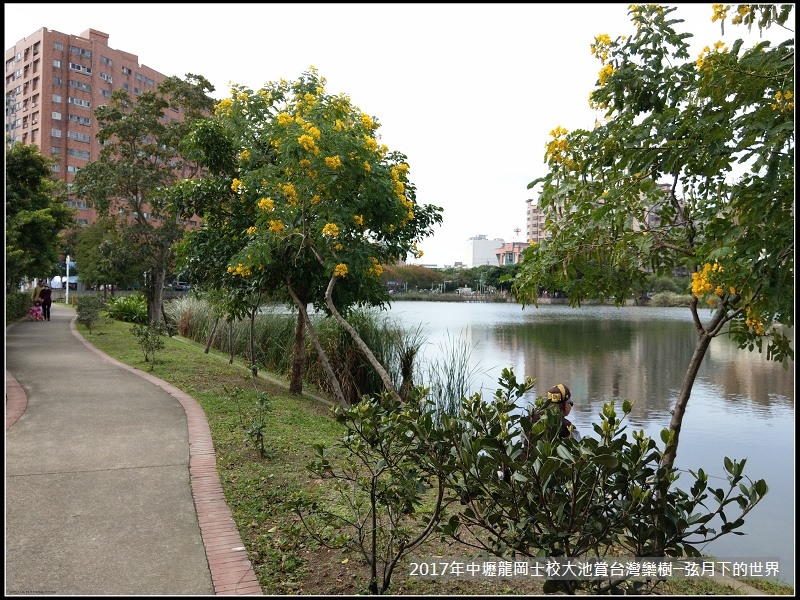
x: 54, y: 82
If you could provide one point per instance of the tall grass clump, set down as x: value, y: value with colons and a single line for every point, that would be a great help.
x: 450, y: 377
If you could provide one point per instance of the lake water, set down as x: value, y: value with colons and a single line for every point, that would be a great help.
x: 742, y: 406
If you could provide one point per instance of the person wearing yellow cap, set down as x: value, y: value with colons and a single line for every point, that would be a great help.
x: 560, y: 396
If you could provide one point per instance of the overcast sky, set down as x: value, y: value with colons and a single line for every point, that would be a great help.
x: 469, y: 92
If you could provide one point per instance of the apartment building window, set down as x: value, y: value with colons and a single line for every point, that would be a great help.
x: 57, y: 80
x: 34, y: 136
x: 18, y: 74
x: 15, y: 124
x: 82, y: 154
x: 56, y: 133
x: 105, y: 60
x: 80, y: 85
x: 57, y: 63
x: 80, y: 120
x: 56, y: 168
x: 79, y: 102
x: 55, y: 151
x: 72, y: 169
x: 56, y: 98
x: 80, y: 137
x: 105, y: 93
x: 80, y: 51
x: 80, y: 68
x: 126, y: 71
x: 106, y: 77
x: 56, y: 116
x: 58, y: 46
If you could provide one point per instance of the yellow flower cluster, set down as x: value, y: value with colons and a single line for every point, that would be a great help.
x: 742, y: 12
x: 244, y: 155
x: 276, y: 226
x: 605, y: 73
x: 240, y: 269
x: 370, y: 143
x: 367, y: 122
x: 340, y: 270
x: 376, y: 269
x: 251, y: 230
x: 237, y: 185
x: 267, y: 204
x: 333, y: 162
x: 290, y: 193
x: 707, y: 53
x: 703, y: 283
x: 308, y: 144
x: 557, y: 147
x: 305, y: 163
x: 754, y: 322
x: 720, y: 12
x: 367, y: 166
x: 316, y: 199
x: 330, y: 230
x: 784, y: 102
x: 601, y: 46
x: 359, y: 220
x: 285, y: 119
x: 223, y: 107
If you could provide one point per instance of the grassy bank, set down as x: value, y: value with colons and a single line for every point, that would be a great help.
x: 263, y: 440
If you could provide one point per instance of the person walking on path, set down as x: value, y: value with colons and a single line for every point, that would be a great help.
x: 111, y: 482
x: 46, y: 298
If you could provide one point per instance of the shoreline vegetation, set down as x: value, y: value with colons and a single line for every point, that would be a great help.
x: 258, y: 474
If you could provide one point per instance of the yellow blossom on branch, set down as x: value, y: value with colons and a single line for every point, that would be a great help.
x: 251, y: 230
x: 340, y: 270
x: 276, y: 226
x: 333, y: 162
x: 330, y: 230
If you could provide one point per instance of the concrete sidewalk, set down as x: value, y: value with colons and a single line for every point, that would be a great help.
x: 111, y: 481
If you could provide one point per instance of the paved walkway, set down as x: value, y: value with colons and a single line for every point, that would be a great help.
x: 111, y: 481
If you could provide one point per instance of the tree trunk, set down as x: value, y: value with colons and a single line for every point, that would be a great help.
x: 323, y: 356
x: 253, y: 365
x: 379, y: 368
x: 704, y: 337
x: 211, y: 335
x: 298, y: 356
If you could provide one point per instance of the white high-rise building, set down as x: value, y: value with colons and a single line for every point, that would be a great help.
x: 483, y: 251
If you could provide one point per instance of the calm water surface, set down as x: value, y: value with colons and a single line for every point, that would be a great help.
x: 742, y: 405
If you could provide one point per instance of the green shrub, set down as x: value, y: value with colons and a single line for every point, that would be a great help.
x: 130, y: 309
x: 88, y: 309
x: 17, y: 305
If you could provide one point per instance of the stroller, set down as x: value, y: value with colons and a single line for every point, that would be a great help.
x: 35, y: 312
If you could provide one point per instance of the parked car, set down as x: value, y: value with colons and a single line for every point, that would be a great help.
x: 181, y: 286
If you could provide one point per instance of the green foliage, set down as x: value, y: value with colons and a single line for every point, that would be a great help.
x: 132, y: 128
x: 36, y: 213
x: 88, y: 310
x: 600, y: 496
x: 388, y: 469
x: 17, y: 305
x: 254, y: 423
x: 298, y: 195
x: 692, y: 170
x: 150, y: 338
x: 693, y: 166
x: 130, y: 309
x: 498, y: 478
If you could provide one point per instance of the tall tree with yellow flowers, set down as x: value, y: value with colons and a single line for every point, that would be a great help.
x: 301, y: 201
x: 693, y: 169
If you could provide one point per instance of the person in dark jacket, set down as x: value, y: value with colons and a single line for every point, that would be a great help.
x: 46, y: 297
